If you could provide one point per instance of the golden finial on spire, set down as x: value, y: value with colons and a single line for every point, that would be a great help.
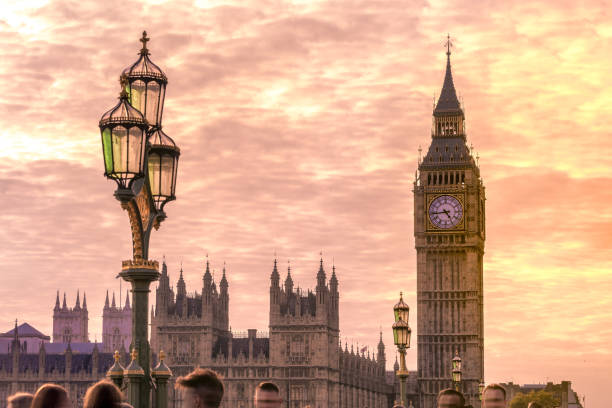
x: 134, y: 354
x: 117, y: 356
x: 448, y: 44
x: 162, y: 355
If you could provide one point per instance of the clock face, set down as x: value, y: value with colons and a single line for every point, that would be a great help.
x: 445, y: 212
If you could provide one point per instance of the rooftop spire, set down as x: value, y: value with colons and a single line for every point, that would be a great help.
x: 127, y: 300
x: 106, y: 301
x: 78, y: 301
x: 64, y: 306
x: 84, y: 301
x: 113, y: 304
x: 57, y: 303
x: 223, y: 282
x: 448, y: 102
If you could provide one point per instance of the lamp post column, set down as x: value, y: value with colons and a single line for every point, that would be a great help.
x: 140, y: 273
x: 402, y: 374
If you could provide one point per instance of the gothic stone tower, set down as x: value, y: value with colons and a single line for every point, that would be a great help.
x: 304, y: 336
x: 116, y: 325
x: 449, y: 231
x: 187, y: 326
x: 70, y: 325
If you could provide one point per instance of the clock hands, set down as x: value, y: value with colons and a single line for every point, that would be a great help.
x: 442, y: 212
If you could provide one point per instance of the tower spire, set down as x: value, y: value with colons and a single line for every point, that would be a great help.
x: 64, y: 306
x: 77, y: 305
x: 57, y: 302
x: 448, y: 103
x: 84, y: 301
x: 113, y: 304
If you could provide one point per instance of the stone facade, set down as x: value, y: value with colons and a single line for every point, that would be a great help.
x: 301, y: 353
x: 116, y: 325
x: 70, y: 325
x: 449, y: 231
x: 22, y: 371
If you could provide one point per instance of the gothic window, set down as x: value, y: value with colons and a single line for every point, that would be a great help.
x: 445, y: 178
x: 67, y: 335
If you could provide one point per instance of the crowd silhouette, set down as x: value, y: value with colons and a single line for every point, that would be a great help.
x: 203, y: 388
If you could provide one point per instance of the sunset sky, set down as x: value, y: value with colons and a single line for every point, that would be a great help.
x: 299, y: 125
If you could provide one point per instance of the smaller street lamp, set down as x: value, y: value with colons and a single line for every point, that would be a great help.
x: 481, y: 388
x: 457, y: 370
x: 401, y: 338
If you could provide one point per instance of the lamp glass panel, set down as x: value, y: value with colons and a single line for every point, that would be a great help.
x: 107, y: 149
x: 154, y: 170
x: 404, y: 314
x: 161, y: 104
x: 137, y: 95
x: 166, y: 175
x: 408, y: 335
x: 397, y: 314
x: 119, y: 138
x: 456, y: 377
x: 395, y: 336
x: 135, y: 150
x: 174, y: 176
x: 152, y: 102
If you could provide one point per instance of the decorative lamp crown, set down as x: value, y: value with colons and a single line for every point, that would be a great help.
x: 146, y: 85
x: 401, y: 310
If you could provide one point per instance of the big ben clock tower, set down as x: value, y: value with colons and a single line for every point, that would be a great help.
x: 449, y: 232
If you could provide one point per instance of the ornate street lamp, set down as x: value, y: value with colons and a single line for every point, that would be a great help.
x: 456, y: 370
x: 401, y: 338
x: 143, y: 161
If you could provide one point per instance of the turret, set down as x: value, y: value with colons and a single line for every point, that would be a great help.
x: 113, y: 304
x: 84, y: 301
x: 181, y: 289
x: 127, y: 301
x: 288, y: 282
x: 106, y: 304
x: 57, y: 302
x: 64, y: 306
x: 77, y: 305
x: 381, y: 352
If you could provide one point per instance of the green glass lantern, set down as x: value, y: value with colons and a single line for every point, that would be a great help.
x: 401, y: 333
x: 123, y: 130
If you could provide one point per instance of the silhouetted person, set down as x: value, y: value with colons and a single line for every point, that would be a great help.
x: 267, y: 395
x: 202, y: 388
x: 494, y: 396
x: 20, y: 400
x: 103, y: 394
x: 51, y: 396
x: 534, y: 404
x: 450, y: 398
